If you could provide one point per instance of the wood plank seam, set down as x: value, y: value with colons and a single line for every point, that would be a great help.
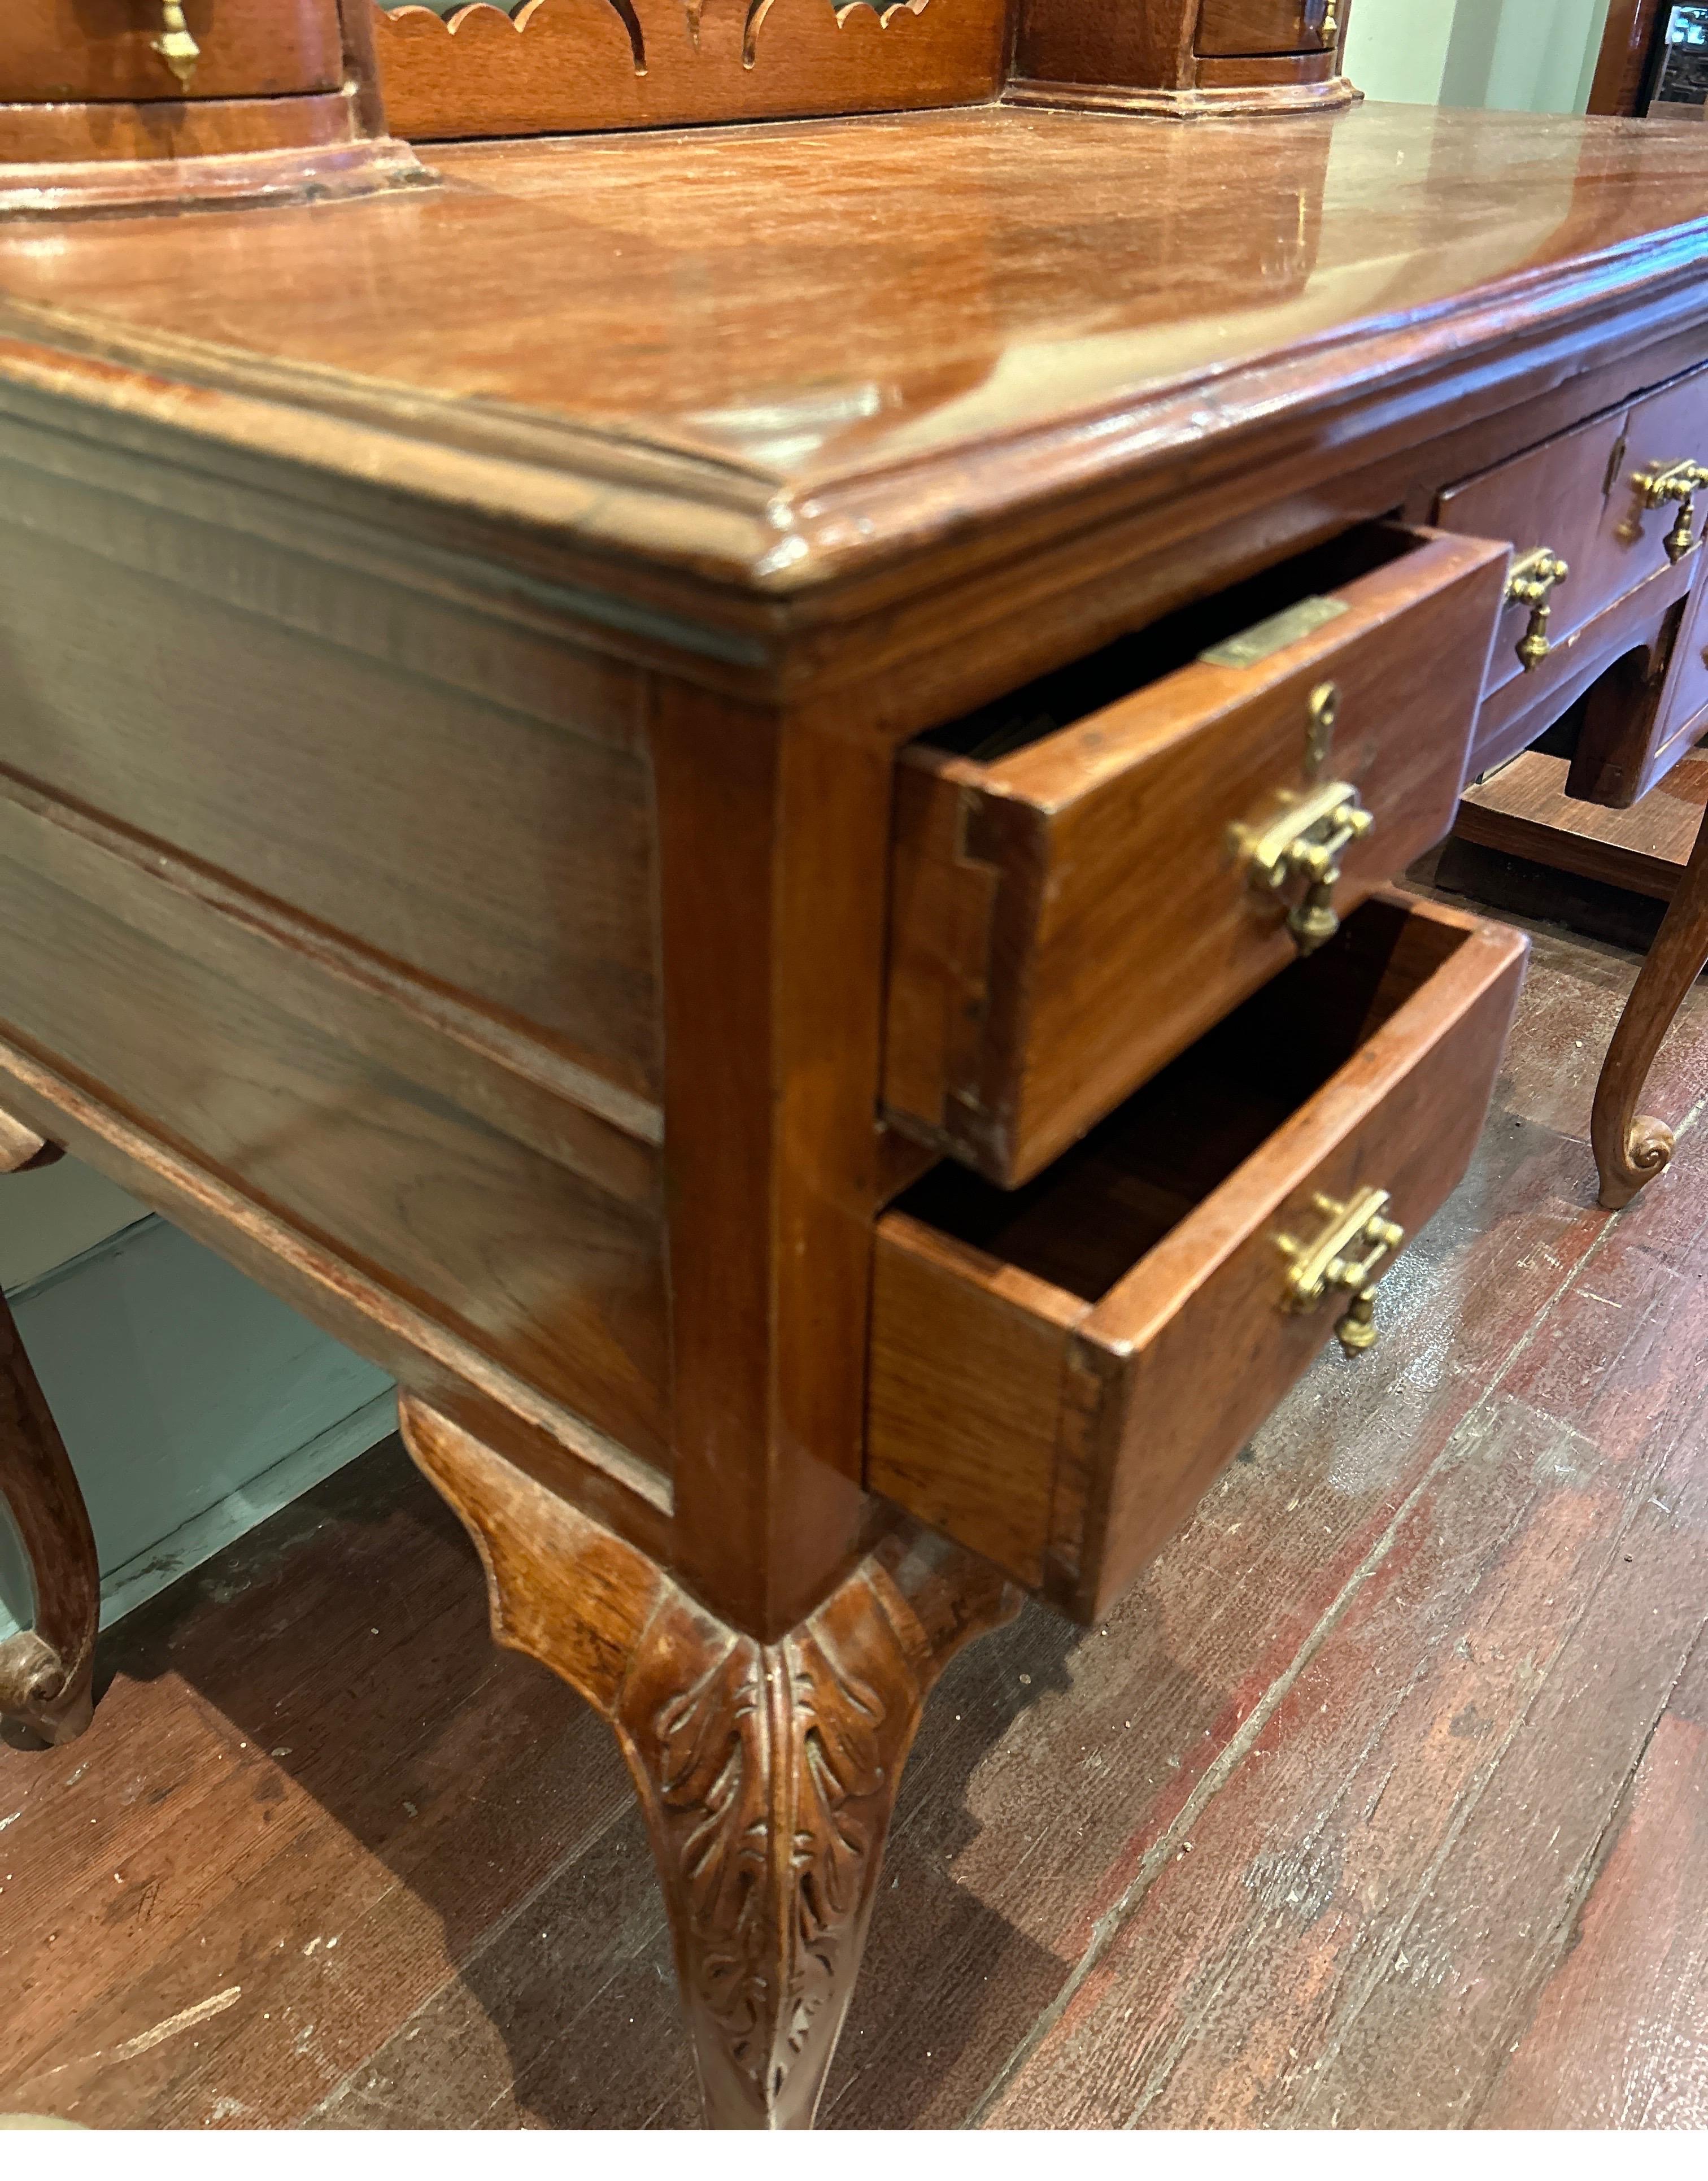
x: 1564, y: 1935
x: 1379, y: 1968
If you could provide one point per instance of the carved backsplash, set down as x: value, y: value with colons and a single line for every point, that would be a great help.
x: 552, y: 65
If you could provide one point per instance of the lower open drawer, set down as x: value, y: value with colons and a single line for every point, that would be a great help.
x: 1059, y: 1371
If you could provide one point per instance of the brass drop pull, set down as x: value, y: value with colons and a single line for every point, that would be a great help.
x: 1345, y: 1259
x: 1679, y: 482
x: 1306, y: 843
x: 1331, y: 32
x: 1531, y: 583
x: 175, y: 46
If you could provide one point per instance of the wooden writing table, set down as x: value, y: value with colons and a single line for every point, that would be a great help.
x: 516, y: 826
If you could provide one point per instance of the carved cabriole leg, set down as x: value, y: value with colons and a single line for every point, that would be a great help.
x: 766, y: 1771
x: 1631, y: 1150
x: 46, y: 1670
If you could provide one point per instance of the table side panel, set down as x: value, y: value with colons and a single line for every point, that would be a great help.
x: 558, y: 1281
x: 276, y: 728
x: 346, y: 894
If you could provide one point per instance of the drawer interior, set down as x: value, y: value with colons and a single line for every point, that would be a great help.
x: 1089, y: 1218
x: 1299, y: 588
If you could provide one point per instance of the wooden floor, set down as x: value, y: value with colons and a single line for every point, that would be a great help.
x: 1382, y: 1802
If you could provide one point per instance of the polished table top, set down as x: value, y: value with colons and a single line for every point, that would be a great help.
x: 773, y: 326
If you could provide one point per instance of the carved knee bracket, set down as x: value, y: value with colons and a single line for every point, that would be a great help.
x: 768, y: 1771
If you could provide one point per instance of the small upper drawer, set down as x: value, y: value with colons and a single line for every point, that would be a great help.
x: 1058, y: 1373
x: 65, y: 50
x: 1239, y: 27
x: 1087, y: 876
x: 1598, y: 498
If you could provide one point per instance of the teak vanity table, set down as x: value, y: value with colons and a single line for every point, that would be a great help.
x: 726, y: 794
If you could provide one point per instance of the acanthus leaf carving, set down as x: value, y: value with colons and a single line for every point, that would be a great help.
x: 772, y: 1773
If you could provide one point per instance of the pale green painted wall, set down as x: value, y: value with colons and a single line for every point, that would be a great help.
x: 1536, y: 56
x: 1397, y: 49
x: 192, y: 1402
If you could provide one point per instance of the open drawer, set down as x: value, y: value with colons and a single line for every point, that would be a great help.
x: 1088, y: 876
x: 1059, y: 1372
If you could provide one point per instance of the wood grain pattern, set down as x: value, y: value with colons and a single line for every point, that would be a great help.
x: 771, y: 828
x: 1631, y: 643
x: 428, y: 853
x: 1165, y: 1225
x: 556, y: 1078
x: 1358, y: 1928
x: 21, y: 1147
x: 238, y: 155
x: 1615, y: 2040
x: 281, y: 107
x: 556, y: 65
x: 558, y: 1281
x: 1068, y: 915
x: 767, y: 1772
x: 226, y: 129
x: 1577, y: 495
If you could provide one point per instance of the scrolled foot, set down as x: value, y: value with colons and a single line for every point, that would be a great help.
x: 1647, y: 1151
x: 38, y: 1691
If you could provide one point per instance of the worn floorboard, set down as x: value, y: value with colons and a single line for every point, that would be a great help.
x: 1381, y: 1801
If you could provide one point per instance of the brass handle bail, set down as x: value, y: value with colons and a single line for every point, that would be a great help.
x: 1531, y: 583
x: 175, y: 46
x: 1345, y: 1258
x: 1678, y: 482
x: 1308, y: 839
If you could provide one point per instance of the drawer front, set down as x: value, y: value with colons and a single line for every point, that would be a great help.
x: 1066, y: 919
x: 1261, y: 26
x: 1065, y: 1432
x: 1585, y: 496
x: 1555, y: 496
x: 104, y: 49
x: 1663, y: 432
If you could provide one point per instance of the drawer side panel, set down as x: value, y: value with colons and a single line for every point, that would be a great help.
x: 1195, y: 1350
x: 965, y: 1392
